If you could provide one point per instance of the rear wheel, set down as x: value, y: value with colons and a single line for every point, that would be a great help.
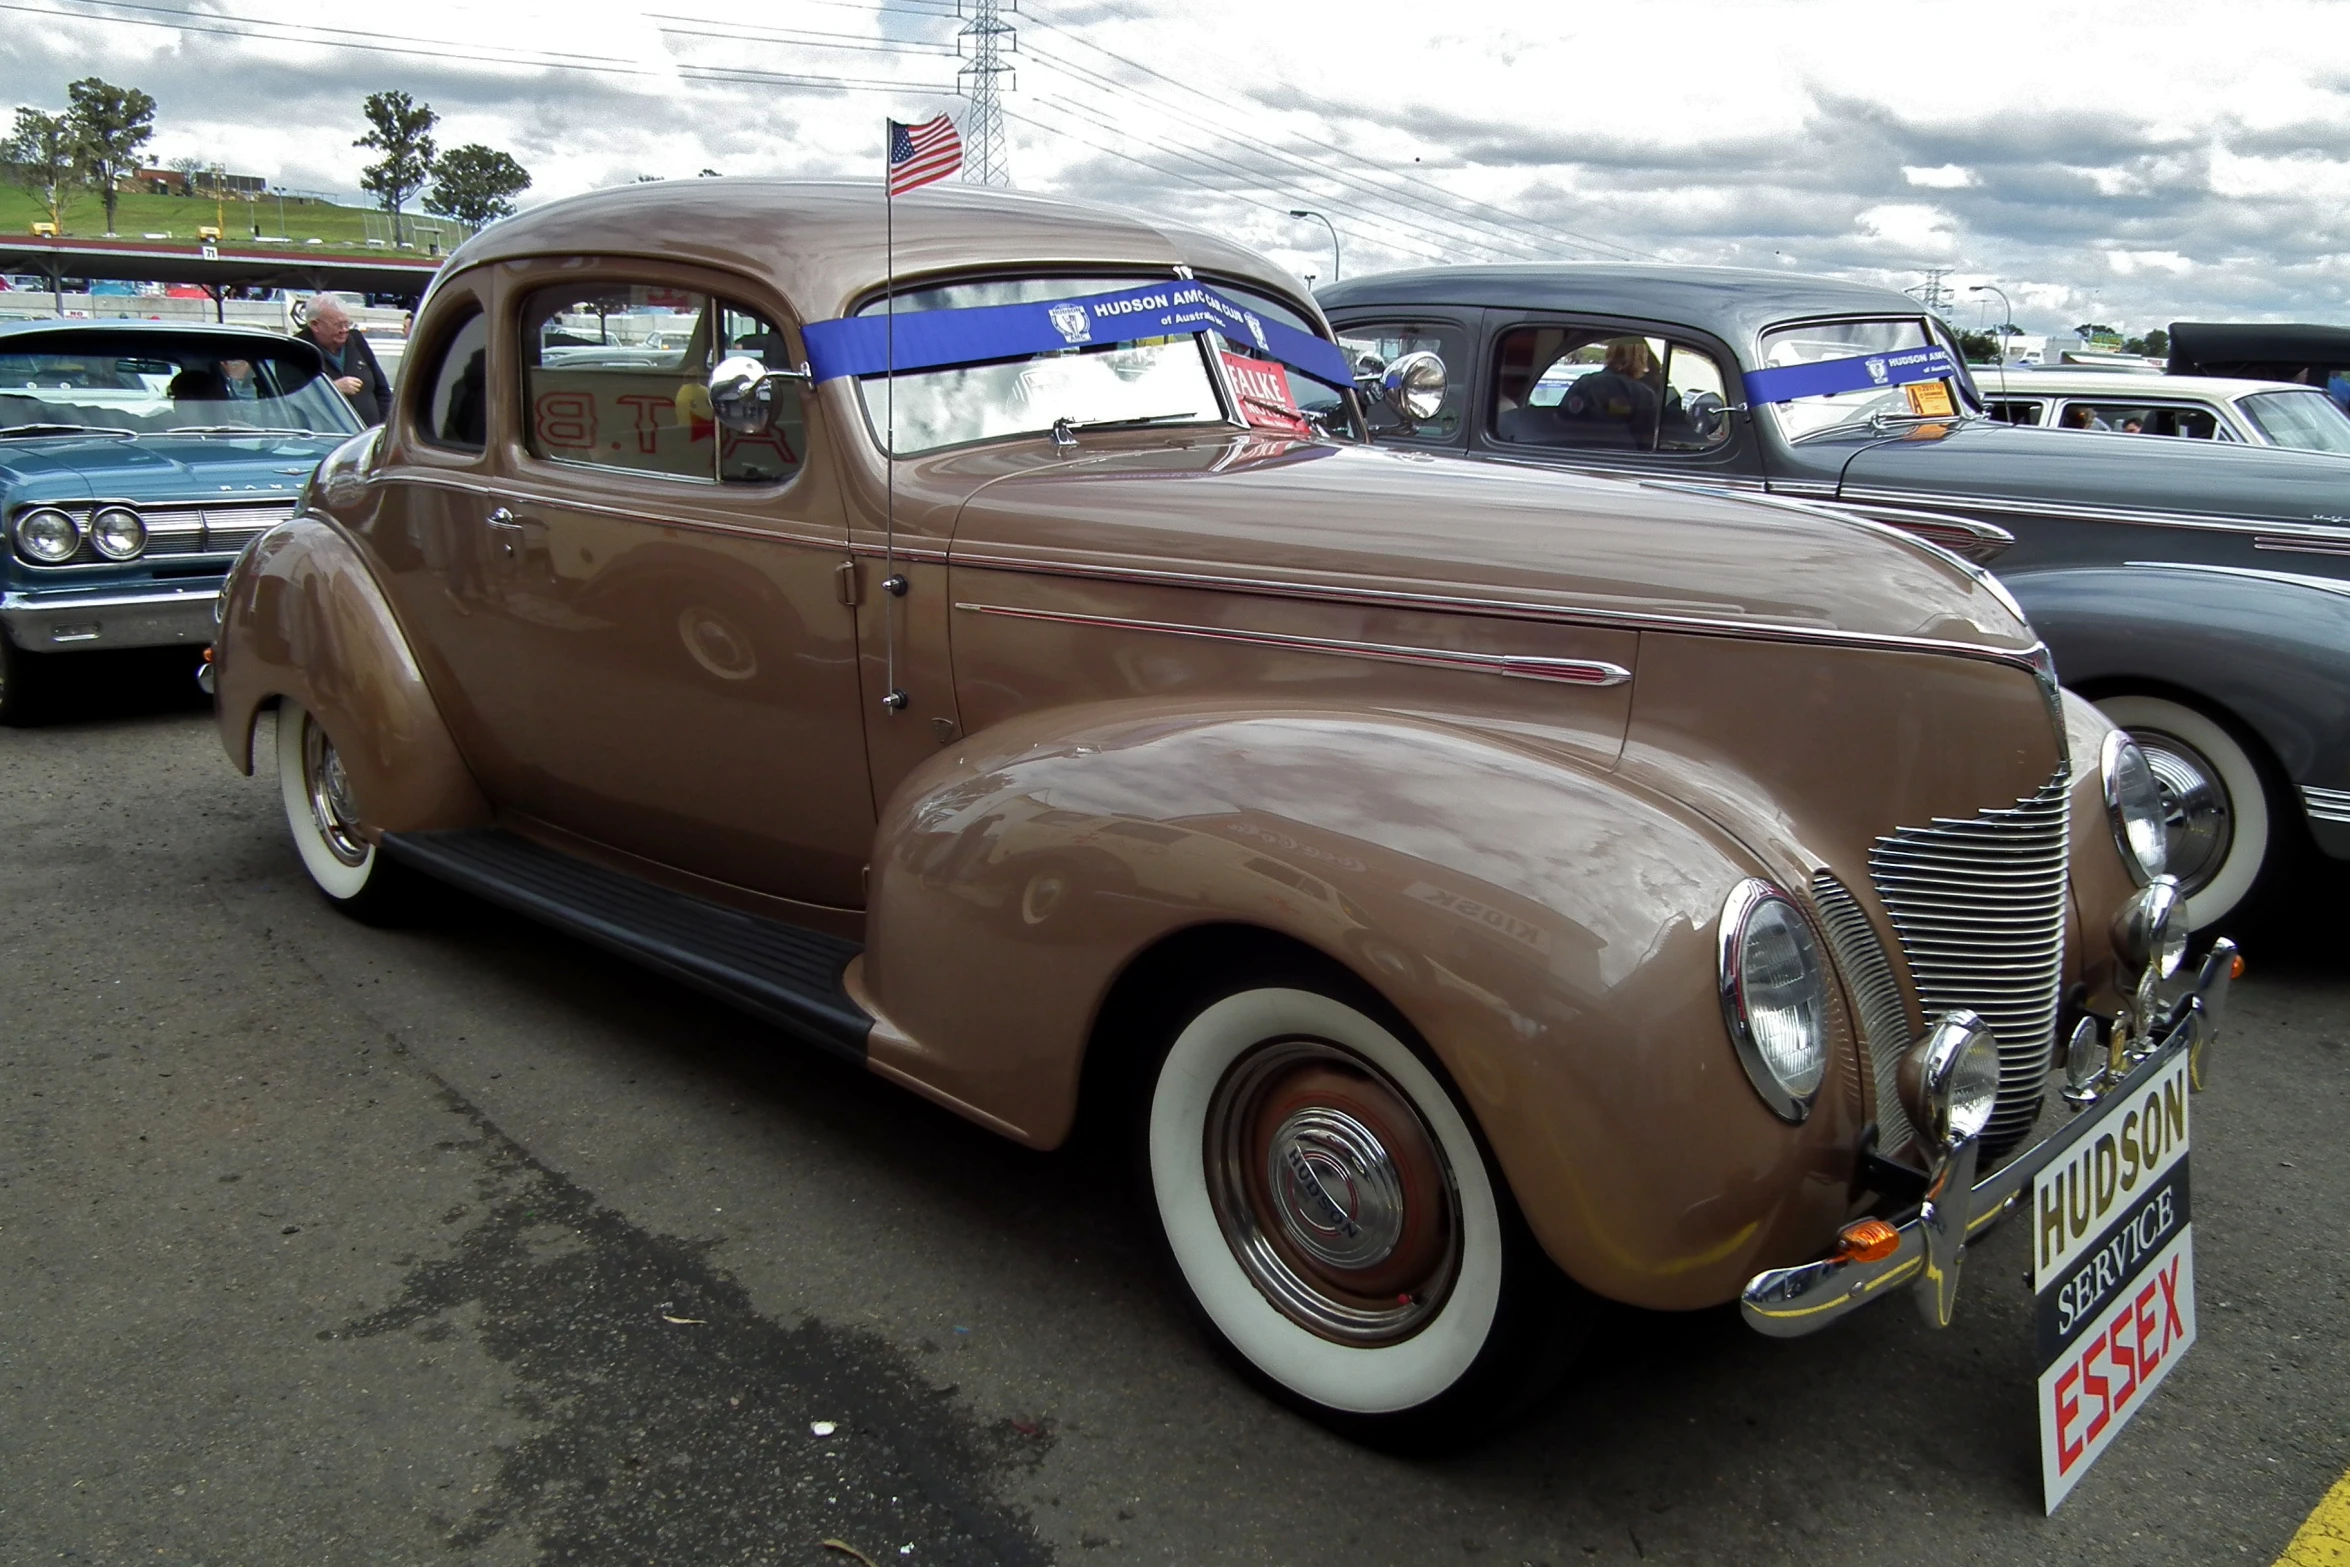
x: 1338, y: 1225
x: 2220, y: 830
x: 324, y: 818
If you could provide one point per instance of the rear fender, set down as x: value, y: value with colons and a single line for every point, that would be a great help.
x: 1548, y: 930
x: 303, y: 620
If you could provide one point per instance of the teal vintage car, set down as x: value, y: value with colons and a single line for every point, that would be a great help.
x: 136, y: 460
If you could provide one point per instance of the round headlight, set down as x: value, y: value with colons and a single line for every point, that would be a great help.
x: 118, y: 533
x: 1950, y: 1079
x: 1775, y: 997
x: 2133, y: 802
x: 47, y: 535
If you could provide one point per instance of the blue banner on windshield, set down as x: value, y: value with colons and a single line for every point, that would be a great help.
x: 1827, y: 377
x: 932, y: 339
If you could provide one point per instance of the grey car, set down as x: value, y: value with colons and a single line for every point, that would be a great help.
x: 2197, y: 591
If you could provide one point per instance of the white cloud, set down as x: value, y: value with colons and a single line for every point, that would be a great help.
x: 1946, y: 176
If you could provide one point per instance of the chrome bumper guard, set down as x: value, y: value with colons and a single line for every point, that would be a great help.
x: 1791, y: 1302
x: 147, y: 617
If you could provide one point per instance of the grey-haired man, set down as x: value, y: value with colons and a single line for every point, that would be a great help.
x: 326, y: 326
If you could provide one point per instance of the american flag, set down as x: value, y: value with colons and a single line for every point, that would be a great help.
x: 919, y: 154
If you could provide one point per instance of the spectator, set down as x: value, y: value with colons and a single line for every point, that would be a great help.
x: 327, y: 327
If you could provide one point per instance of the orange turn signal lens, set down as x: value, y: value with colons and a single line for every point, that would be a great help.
x: 1868, y: 1240
x: 2236, y: 966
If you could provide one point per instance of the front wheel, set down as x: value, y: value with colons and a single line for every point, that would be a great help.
x: 2219, y: 835
x: 324, y: 818
x: 1338, y: 1226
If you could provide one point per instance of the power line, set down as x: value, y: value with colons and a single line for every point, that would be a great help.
x: 1458, y: 206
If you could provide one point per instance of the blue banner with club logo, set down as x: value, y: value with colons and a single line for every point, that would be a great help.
x: 933, y: 339
x: 1863, y: 372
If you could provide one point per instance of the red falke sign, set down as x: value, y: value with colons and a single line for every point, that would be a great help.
x: 1265, y: 399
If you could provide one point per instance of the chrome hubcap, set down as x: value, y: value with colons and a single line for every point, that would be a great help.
x: 1332, y: 1193
x: 329, y: 788
x: 2199, y: 824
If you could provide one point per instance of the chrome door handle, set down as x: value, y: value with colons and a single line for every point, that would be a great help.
x: 505, y: 531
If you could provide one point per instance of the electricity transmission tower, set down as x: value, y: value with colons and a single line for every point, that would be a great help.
x: 1934, y: 294
x: 984, y: 78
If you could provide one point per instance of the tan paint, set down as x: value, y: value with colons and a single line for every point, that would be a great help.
x: 1115, y: 729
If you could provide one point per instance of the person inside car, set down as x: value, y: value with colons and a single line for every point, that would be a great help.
x: 1619, y: 398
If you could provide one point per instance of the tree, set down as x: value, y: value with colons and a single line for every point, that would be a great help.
x: 110, y: 125
x: 2094, y: 329
x: 2154, y: 345
x: 402, y: 132
x: 476, y: 185
x: 187, y: 166
x: 1980, y: 348
x: 43, y: 159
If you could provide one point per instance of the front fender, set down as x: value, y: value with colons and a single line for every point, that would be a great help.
x: 2270, y: 648
x: 1548, y: 929
x: 303, y: 618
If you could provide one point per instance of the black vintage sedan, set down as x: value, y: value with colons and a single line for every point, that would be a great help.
x: 2198, y: 592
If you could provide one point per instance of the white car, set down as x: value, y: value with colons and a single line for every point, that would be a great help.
x: 2197, y: 407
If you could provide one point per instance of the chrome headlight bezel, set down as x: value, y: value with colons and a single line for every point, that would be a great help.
x: 1949, y: 1079
x: 18, y: 533
x: 114, y: 516
x: 2133, y: 806
x: 1757, y: 911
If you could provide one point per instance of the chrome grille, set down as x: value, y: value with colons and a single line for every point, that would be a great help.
x: 176, y: 528
x: 1885, y: 1030
x: 1979, y: 906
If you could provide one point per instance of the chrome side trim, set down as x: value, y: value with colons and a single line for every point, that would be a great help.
x: 2031, y: 659
x: 2326, y: 805
x: 2271, y: 541
x: 1565, y: 671
x: 2298, y: 531
x: 2254, y: 573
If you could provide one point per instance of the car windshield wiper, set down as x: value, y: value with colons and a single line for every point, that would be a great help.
x: 67, y: 429
x: 238, y: 429
x: 1064, y: 429
x: 1880, y: 422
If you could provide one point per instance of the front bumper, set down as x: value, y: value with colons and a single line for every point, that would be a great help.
x: 1791, y: 1302
x: 77, y: 622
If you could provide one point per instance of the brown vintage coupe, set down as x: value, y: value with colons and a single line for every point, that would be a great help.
x: 1475, y: 891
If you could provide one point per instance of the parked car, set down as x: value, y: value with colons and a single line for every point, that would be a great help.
x: 2198, y: 591
x: 136, y: 459
x: 1460, y: 928
x: 2192, y: 407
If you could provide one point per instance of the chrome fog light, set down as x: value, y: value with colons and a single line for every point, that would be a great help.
x: 1774, y: 997
x: 117, y: 533
x: 2151, y: 929
x: 47, y: 535
x: 1950, y: 1079
x: 2133, y: 804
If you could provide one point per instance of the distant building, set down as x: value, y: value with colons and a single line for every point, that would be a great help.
x: 169, y: 182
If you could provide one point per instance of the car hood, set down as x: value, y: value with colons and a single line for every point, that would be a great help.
x: 2095, y: 470
x: 1299, y: 516
x: 157, y: 467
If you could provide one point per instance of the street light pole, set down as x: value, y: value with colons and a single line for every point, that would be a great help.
x: 1301, y: 212
x: 2007, y: 334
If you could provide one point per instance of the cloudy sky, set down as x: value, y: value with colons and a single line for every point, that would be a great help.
x: 2126, y: 163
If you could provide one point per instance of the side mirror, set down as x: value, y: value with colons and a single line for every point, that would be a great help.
x: 1413, y: 385
x: 742, y: 395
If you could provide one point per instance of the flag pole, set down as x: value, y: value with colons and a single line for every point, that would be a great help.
x: 891, y: 587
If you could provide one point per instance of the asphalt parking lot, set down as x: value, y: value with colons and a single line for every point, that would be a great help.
x: 465, y: 1243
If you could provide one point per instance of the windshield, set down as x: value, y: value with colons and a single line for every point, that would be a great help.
x: 155, y: 383
x: 1157, y: 380
x: 1878, y: 349
x: 2307, y: 421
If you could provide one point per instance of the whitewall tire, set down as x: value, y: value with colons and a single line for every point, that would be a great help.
x: 324, y: 818
x: 2217, y: 808
x: 1333, y: 1217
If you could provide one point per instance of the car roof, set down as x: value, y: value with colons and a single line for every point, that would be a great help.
x: 819, y: 243
x: 137, y: 326
x: 2121, y: 385
x: 1734, y: 303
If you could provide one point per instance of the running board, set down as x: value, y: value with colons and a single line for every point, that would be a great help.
x: 788, y: 975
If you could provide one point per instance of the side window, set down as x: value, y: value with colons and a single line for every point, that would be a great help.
x: 1388, y: 341
x: 2195, y: 424
x: 452, y: 411
x: 2015, y: 413
x: 617, y: 376
x: 1589, y: 389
